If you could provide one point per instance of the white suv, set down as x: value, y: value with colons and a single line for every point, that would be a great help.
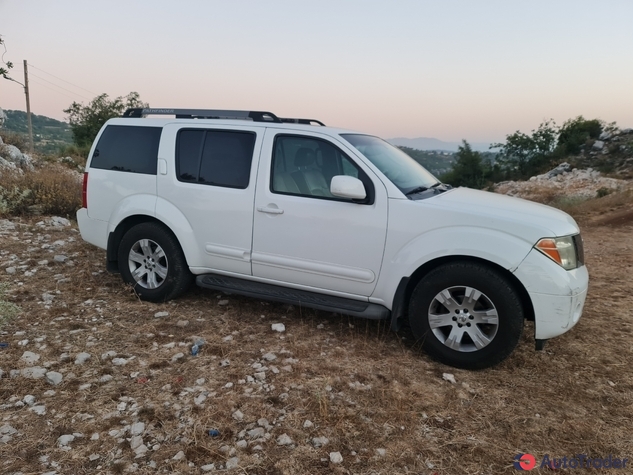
x: 291, y: 210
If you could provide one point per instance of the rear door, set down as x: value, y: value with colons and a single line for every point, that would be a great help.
x: 305, y: 237
x: 210, y: 178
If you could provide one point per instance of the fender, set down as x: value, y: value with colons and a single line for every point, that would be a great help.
x: 504, y: 250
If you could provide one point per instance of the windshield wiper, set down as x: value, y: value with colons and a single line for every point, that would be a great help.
x: 417, y: 189
x: 437, y: 184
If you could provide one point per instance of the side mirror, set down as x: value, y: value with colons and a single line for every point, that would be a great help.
x: 345, y: 186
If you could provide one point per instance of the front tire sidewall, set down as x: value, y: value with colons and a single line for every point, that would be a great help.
x: 488, y: 281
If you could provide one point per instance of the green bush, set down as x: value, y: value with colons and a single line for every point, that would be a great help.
x: 577, y: 132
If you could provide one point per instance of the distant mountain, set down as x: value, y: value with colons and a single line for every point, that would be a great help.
x: 49, y: 135
x: 426, y: 143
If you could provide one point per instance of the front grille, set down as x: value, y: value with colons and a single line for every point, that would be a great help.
x: 580, y: 249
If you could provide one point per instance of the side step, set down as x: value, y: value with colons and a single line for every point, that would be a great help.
x: 304, y: 298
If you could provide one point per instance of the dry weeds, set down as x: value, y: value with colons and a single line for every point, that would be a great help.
x: 362, y: 387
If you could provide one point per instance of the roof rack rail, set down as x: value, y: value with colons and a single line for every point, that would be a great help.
x: 301, y: 121
x: 255, y: 116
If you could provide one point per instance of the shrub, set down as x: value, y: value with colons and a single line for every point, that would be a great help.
x: 576, y: 132
x: 602, y: 192
x: 11, y: 138
x: 50, y: 190
x: 8, y: 310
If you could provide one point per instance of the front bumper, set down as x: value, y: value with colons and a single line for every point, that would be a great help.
x: 558, y: 295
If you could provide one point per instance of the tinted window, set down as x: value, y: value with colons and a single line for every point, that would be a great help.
x: 305, y: 166
x: 215, y: 157
x: 127, y: 149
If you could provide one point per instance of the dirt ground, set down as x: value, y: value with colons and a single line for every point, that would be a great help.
x: 287, y: 402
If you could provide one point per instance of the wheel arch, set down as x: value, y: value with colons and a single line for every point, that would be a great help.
x: 115, y: 237
x: 407, y: 284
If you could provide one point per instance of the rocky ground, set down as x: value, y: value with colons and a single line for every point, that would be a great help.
x: 92, y: 380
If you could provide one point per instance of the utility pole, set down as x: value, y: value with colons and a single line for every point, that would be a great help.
x: 28, y: 106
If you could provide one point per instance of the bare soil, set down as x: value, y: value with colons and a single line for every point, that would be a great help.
x: 361, y: 386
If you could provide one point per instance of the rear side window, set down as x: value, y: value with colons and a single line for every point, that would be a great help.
x: 215, y: 157
x: 127, y: 149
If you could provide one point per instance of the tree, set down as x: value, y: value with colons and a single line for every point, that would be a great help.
x: 523, y: 155
x: 4, y: 72
x: 576, y: 132
x: 469, y: 169
x: 86, y: 121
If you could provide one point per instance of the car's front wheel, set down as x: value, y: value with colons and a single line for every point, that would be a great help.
x: 150, y: 258
x: 466, y: 315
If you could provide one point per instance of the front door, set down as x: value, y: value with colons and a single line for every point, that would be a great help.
x: 303, y: 235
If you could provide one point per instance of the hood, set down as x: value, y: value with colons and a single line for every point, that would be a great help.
x: 514, y: 215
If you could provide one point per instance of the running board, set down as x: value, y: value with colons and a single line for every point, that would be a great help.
x: 303, y: 298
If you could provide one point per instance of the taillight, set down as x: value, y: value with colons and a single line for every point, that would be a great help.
x: 84, y: 192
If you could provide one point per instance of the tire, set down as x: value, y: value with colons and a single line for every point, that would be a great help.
x: 151, y: 259
x: 466, y: 315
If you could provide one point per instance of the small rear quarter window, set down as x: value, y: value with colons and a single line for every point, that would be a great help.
x: 127, y: 149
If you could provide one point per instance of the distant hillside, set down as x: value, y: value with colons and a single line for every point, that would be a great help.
x: 49, y: 135
x: 437, y: 163
x: 426, y: 143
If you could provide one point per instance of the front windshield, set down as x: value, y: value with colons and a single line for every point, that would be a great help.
x: 403, y: 171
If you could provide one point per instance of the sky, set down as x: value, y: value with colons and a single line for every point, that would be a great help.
x: 449, y: 69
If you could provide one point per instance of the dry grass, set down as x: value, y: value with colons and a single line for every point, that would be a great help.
x: 52, y: 189
x: 363, y: 387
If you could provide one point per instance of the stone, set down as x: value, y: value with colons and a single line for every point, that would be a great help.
x: 93, y: 457
x: 36, y: 372
x: 29, y: 399
x: 598, y: 145
x: 336, y: 457
x: 10, y: 270
x: 177, y: 357
x: 232, y: 463
x: 320, y: 441
x: 29, y: 357
x: 64, y: 440
x: 137, y: 428
x: 47, y: 298
x: 605, y: 135
x: 40, y: 410
x: 208, y: 468
x: 59, y: 221
x: 270, y: 356
x: 278, y: 327
x: 222, y: 303
x: 107, y: 355
x: 161, y: 314
x: 307, y: 424
x: 136, y: 441
x: 119, y: 361
x: 381, y: 452
x: 257, y: 433
x: 54, y: 378
x: 449, y: 377
x: 284, y: 439
x: 182, y: 323
x: 105, y: 378
x: 238, y: 415
x: 179, y: 456
x: 141, y: 450
x: 81, y: 358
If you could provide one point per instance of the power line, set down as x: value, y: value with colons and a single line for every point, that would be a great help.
x: 39, y: 69
x: 67, y: 90
x: 54, y: 90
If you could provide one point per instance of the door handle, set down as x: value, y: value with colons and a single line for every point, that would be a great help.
x: 269, y: 210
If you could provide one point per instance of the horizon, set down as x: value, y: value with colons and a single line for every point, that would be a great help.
x: 449, y: 71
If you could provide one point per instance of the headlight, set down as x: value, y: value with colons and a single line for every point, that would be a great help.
x: 561, y: 250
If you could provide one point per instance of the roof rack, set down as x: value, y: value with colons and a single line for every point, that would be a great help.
x: 255, y: 116
x: 301, y: 121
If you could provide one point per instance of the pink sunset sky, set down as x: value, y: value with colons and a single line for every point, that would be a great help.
x: 454, y: 69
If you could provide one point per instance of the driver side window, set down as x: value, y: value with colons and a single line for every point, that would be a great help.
x: 304, y: 166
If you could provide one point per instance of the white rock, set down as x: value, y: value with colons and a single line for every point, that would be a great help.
x: 105, y: 378
x: 208, y: 468
x: 95, y: 436
x: 39, y: 410
x: 336, y: 457
x: 182, y: 323
x: 284, y: 439
x: 381, y: 452
x: 59, y: 221
x: 54, y: 378
x: 81, y: 358
x: 47, y: 298
x: 64, y: 440
x: 449, y: 377
x: 278, y: 327
x: 598, y: 145
x: 232, y: 463
x: 119, y: 361
x: 257, y: 433
x: 161, y: 314
x: 177, y: 357
x: 141, y: 450
x: 137, y: 428
x: 36, y: 372
x: 10, y: 270
x: 29, y: 399
x: 199, y: 399
x: 307, y: 424
x: 94, y: 457
x: 136, y: 441
x: 270, y: 356
x: 29, y: 357
x: 238, y: 415
x: 107, y: 355
x: 320, y: 441
x: 179, y: 456
x: 60, y: 258
x: 223, y: 302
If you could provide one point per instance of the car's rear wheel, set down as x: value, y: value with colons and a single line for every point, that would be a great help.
x: 466, y: 315
x: 150, y: 258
